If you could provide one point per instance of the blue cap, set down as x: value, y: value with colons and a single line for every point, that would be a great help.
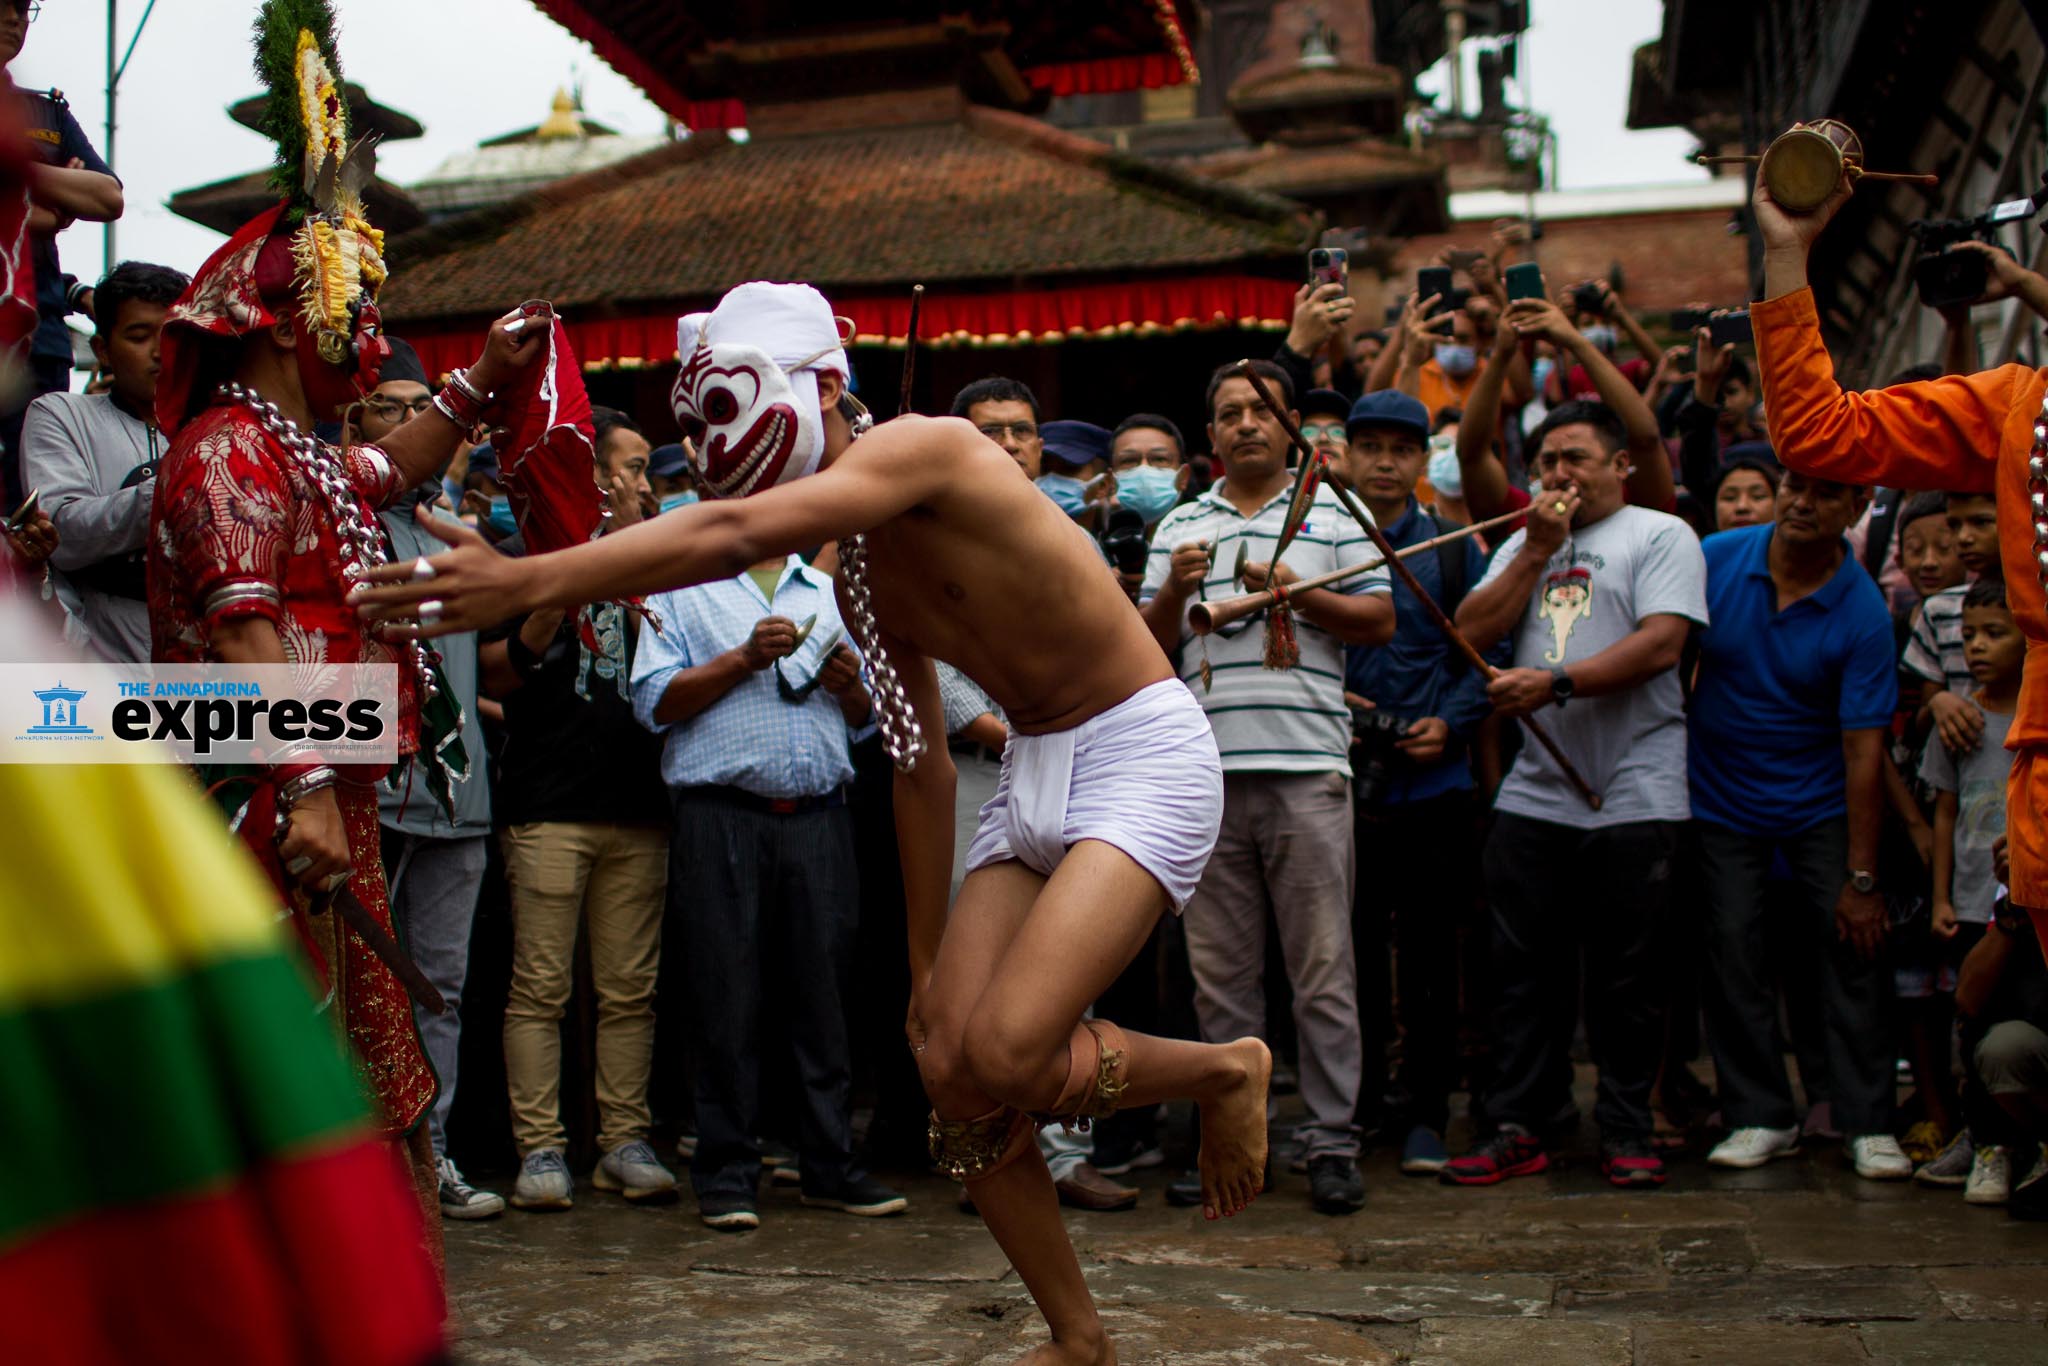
x: 1390, y: 408
x: 668, y: 461
x: 483, y: 460
x: 1074, y: 443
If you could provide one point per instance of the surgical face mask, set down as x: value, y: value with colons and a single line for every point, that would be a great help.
x: 1457, y: 360
x: 1601, y: 335
x: 678, y: 500
x: 1446, y: 476
x: 1065, y: 491
x: 501, y: 517
x: 1147, y: 491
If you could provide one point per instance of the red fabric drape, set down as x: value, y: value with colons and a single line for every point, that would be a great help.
x: 1107, y: 75
x: 1001, y: 319
x: 700, y: 115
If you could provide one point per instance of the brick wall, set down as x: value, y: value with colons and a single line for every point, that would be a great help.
x: 1667, y: 260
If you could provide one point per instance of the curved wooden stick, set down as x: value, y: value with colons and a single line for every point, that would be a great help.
x: 1208, y: 617
x: 1407, y: 577
x: 910, y: 349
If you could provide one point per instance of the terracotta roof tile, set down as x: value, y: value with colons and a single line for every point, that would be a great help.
x: 992, y: 197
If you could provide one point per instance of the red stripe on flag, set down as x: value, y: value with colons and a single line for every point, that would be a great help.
x: 300, y: 1263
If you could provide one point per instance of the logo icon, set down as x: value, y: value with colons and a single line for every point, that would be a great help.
x: 60, y: 712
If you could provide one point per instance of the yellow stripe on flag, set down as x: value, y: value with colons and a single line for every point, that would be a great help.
x: 114, y: 874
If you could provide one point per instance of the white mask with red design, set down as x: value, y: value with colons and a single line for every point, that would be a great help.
x: 747, y: 396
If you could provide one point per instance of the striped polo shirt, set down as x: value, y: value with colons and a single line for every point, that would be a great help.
x: 1268, y: 720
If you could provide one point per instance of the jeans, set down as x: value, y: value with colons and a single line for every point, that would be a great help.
x: 1415, y: 866
x: 1564, y: 896
x: 564, y: 876
x: 433, y: 887
x: 766, y: 906
x: 1742, y: 975
x: 1285, y: 849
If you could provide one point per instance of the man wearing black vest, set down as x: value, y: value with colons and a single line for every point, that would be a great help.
x: 1415, y: 705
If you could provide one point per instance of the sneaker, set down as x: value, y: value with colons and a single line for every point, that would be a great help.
x: 1512, y: 1151
x: 1334, y: 1185
x: 2029, y: 1199
x: 460, y: 1200
x: 1754, y: 1146
x: 727, y: 1212
x: 1631, y: 1162
x: 1424, y: 1153
x: 1122, y: 1162
x: 1184, y: 1192
x: 1952, y: 1165
x: 1990, y: 1177
x: 1877, y: 1158
x: 859, y: 1194
x: 1820, y: 1123
x: 544, y: 1181
x: 781, y: 1162
x: 1923, y: 1142
x: 634, y: 1171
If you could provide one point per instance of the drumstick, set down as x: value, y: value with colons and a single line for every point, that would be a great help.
x: 910, y: 349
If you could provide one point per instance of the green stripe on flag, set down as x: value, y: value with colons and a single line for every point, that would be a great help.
x: 164, y: 1089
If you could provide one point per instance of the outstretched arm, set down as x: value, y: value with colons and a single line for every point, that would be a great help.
x: 1486, y: 478
x: 1940, y: 434
x: 893, y: 468
x: 1649, y: 482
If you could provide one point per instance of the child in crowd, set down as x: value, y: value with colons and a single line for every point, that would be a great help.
x: 1969, y: 817
x: 1935, y: 652
x: 1923, y: 980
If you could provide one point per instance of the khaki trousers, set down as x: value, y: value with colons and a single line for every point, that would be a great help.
x: 563, y: 874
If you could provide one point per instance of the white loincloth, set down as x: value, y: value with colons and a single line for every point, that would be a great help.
x: 1142, y: 776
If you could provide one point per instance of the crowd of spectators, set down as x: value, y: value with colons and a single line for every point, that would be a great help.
x: 1789, y: 695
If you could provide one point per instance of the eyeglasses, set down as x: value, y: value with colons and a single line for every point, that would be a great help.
x: 1323, y: 431
x: 396, y: 409
x: 28, y: 11
x: 1018, y: 431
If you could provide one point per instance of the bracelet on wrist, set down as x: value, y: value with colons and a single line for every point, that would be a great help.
x: 460, y: 381
x: 302, y: 785
x: 522, y: 656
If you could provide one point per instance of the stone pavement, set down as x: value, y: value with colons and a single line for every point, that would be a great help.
x: 1798, y: 1264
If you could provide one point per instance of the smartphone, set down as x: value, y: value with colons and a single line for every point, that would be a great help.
x: 1729, y: 328
x: 1690, y: 320
x: 25, y: 514
x: 1524, y: 280
x: 1329, y: 266
x: 1434, y: 280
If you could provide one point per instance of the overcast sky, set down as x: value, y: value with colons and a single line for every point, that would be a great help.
x: 471, y: 69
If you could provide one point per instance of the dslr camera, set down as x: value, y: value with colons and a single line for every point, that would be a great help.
x: 1945, y: 278
x: 1375, y: 756
x: 1123, y: 541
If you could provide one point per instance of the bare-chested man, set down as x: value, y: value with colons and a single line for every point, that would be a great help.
x: 1110, y: 794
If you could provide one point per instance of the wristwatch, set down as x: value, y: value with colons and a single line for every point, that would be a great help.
x: 1863, y: 880
x: 1560, y: 686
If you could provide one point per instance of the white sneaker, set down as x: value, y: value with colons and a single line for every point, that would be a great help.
x: 1878, y: 1157
x: 634, y: 1171
x: 1754, y: 1147
x: 460, y: 1200
x: 1990, y: 1178
x: 544, y: 1181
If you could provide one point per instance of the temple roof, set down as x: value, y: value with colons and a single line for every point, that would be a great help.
x: 985, y: 197
x: 225, y: 205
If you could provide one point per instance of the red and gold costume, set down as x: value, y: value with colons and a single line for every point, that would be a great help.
x: 1962, y: 433
x: 254, y: 518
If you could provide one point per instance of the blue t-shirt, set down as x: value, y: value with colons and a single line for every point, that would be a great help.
x: 1777, y: 689
x: 54, y: 139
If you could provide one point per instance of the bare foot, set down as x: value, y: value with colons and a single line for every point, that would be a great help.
x: 1101, y: 1353
x: 1234, y: 1132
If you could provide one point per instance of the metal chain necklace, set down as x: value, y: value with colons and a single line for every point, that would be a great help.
x: 361, y: 542
x: 2037, y: 492
x: 902, y: 736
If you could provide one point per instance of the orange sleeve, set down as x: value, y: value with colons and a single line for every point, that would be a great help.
x: 1938, y: 434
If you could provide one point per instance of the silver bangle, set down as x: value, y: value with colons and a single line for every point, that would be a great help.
x: 240, y: 593
x: 447, y: 410
x: 459, y: 379
x: 295, y: 790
